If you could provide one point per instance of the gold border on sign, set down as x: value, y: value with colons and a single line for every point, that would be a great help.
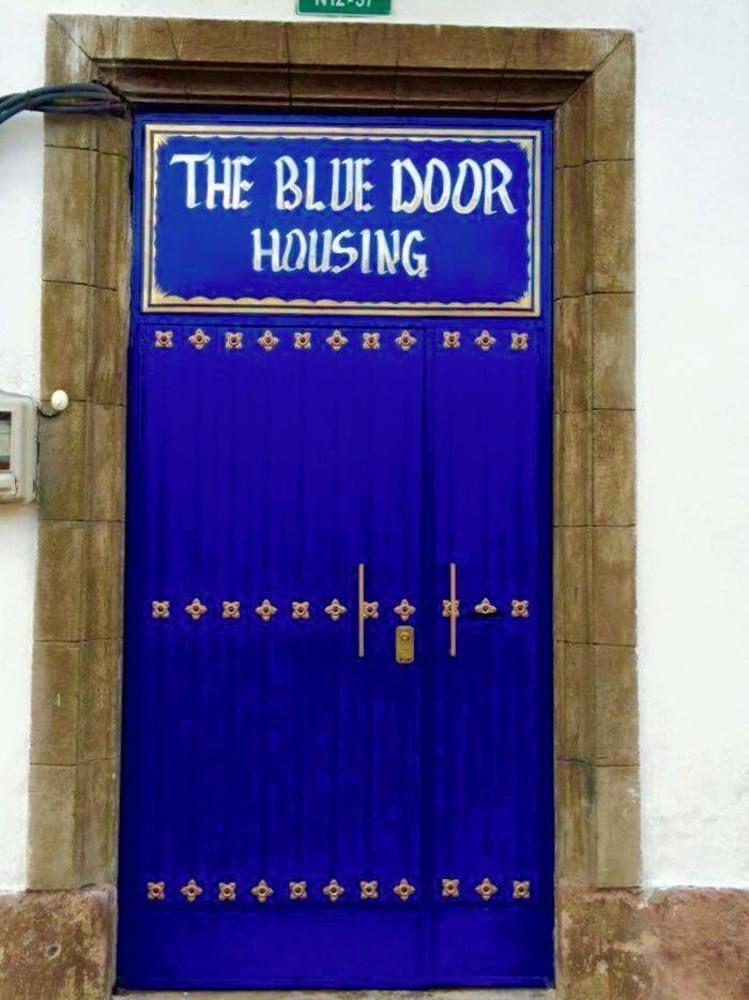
x: 157, y: 300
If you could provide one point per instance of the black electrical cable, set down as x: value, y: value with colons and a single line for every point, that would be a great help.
x: 65, y: 99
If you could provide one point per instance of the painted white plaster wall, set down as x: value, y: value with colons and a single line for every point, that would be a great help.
x: 693, y: 419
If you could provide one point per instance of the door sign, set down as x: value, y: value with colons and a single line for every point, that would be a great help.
x: 337, y: 742
x: 368, y: 219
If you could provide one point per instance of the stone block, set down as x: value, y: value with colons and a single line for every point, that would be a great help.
x: 614, y: 586
x: 54, y: 703
x: 614, y: 467
x: 613, y: 328
x: 59, y: 605
x: 52, y: 857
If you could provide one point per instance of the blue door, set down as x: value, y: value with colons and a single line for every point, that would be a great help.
x: 337, y: 722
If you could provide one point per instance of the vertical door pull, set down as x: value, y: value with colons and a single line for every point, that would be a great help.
x: 367, y: 609
x: 451, y: 610
x: 360, y: 605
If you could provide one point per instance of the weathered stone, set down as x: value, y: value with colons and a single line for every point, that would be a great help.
x: 229, y: 41
x: 574, y: 582
x: 610, y: 193
x: 105, y: 463
x: 65, y: 327
x: 57, y: 945
x: 571, y: 231
x: 614, y: 586
x: 68, y: 212
x: 99, y: 689
x: 561, y: 49
x: 58, y: 607
x: 614, y: 467
x: 574, y: 694
x: 617, y: 827
x: 613, y: 327
x: 571, y: 129
x: 680, y: 944
x: 52, y: 856
x: 359, y: 44
x: 616, y: 714
x: 54, y: 703
x: 452, y: 47
x: 95, y: 821
x: 111, y: 264
x: 65, y: 60
x: 62, y: 464
x: 600, y: 947
x: 702, y: 947
x: 102, y: 581
x: 108, y: 347
x: 575, y: 480
x: 574, y: 824
x: 572, y: 354
x: 612, y: 93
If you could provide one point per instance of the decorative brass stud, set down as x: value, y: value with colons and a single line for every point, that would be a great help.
x: 370, y: 341
x: 159, y: 609
x: 333, y: 890
x: 227, y: 892
x: 268, y: 341
x: 451, y: 339
x: 486, y: 889
x: 230, y: 609
x: 163, y: 338
x: 520, y: 609
x: 297, y: 890
x: 369, y: 890
x: 196, y: 610
x: 199, y: 339
x: 451, y: 888
x: 336, y: 340
x: 265, y: 610
x: 451, y: 609
x: 485, y: 607
x: 519, y: 342
x: 404, y: 610
x: 404, y: 890
x: 191, y: 891
x: 405, y: 341
x: 234, y: 341
x: 302, y: 341
x: 485, y: 340
x: 370, y: 609
x: 156, y: 890
x: 262, y: 891
x: 521, y: 890
x: 335, y: 609
x: 300, y: 609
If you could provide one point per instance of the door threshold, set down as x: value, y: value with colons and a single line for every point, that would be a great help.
x: 488, y: 993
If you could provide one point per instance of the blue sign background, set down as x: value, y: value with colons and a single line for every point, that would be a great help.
x: 207, y: 255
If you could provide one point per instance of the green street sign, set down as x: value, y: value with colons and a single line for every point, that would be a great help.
x: 348, y: 7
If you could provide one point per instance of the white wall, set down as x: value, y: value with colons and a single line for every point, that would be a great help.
x: 693, y: 418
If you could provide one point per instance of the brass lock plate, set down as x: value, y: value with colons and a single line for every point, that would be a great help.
x: 404, y: 644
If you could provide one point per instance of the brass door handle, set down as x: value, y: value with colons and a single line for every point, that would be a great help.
x: 451, y: 610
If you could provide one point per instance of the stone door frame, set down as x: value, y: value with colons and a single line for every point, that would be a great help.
x: 586, y: 78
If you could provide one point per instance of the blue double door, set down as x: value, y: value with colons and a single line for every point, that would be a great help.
x: 310, y: 506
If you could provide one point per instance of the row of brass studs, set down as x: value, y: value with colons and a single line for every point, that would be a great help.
x: 227, y: 891
x: 301, y: 610
x: 518, y: 609
x: 234, y: 340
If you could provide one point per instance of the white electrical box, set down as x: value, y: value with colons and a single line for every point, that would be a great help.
x: 18, y: 448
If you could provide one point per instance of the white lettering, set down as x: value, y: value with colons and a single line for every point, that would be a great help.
x: 191, y: 160
x: 287, y: 175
